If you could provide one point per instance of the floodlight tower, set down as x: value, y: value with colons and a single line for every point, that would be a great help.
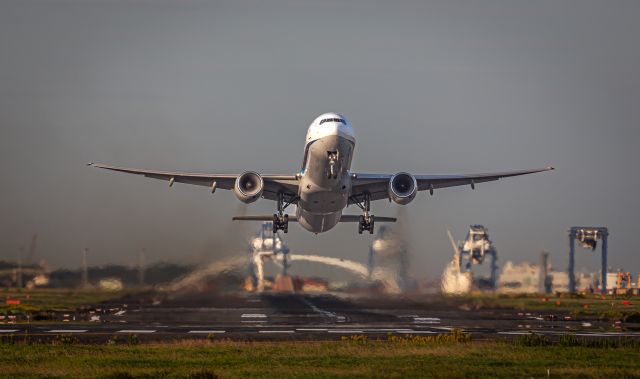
x: 588, y: 238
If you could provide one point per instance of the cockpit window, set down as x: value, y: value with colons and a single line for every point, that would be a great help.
x: 333, y: 120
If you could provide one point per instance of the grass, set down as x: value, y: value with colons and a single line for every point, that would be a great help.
x: 356, y: 357
x: 46, y: 300
x: 592, y: 305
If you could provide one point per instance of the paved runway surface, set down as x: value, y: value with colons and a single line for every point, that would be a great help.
x: 300, y: 317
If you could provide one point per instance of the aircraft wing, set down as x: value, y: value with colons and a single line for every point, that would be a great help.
x: 272, y: 183
x: 377, y: 184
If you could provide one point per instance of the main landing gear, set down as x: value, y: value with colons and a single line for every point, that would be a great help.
x: 367, y: 220
x: 281, y: 220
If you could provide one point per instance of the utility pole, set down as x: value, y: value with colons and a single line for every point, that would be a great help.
x: 19, y: 273
x: 85, y: 269
x: 141, y: 264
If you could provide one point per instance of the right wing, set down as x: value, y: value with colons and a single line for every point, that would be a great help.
x: 288, y: 184
x: 376, y: 185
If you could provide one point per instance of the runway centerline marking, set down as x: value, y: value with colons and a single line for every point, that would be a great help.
x: 311, y: 329
x: 136, y: 331
x: 276, y: 331
x: 345, y: 331
x: 253, y: 315
x: 319, y: 310
x: 67, y: 331
x: 207, y: 331
x: 9, y: 330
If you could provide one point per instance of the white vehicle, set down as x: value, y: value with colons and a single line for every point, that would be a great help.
x: 325, y: 185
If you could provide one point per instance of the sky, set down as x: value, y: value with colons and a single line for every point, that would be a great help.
x: 228, y: 86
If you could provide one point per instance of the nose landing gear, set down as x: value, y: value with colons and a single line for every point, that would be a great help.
x: 332, y: 156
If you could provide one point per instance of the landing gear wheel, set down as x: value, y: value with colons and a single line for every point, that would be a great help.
x: 275, y: 223
x: 366, y: 223
x: 285, y: 227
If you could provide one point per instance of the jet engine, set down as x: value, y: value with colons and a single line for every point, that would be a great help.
x: 248, y: 187
x: 402, y: 188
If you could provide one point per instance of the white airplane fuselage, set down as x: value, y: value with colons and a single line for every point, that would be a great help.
x: 325, y: 182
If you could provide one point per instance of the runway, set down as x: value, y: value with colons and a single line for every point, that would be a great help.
x: 300, y: 317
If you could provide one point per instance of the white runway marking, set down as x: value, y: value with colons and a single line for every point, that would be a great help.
x: 135, y: 331
x: 67, y: 331
x: 418, y: 332
x: 207, y: 331
x: 613, y: 334
x: 345, y: 331
x: 426, y: 320
x: 9, y: 330
x: 253, y: 315
x: 276, y: 331
x: 515, y: 333
x: 311, y: 330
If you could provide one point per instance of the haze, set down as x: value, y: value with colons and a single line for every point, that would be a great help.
x: 430, y: 87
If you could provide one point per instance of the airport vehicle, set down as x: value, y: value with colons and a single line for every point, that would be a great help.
x: 325, y: 185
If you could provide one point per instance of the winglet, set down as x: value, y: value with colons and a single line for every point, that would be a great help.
x: 90, y: 164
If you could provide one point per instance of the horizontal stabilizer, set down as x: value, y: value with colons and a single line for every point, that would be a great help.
x: 344, y: 218
x: 261, y: 218
x: 356, y: 218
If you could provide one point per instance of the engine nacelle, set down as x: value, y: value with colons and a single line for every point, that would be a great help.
x: 249, y: 187
x: 403, y: 188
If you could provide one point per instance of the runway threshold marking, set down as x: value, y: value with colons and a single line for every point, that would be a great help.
x: 67, y: 331
x: 136, y: 331
x: 206, y: 331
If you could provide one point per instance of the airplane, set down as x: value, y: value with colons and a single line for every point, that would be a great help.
x: 325, y: 185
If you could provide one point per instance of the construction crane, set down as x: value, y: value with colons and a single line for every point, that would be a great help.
x: 588, y: 238
x: 473, y: 250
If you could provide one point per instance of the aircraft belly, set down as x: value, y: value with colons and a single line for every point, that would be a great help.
x: 323, y: 196
x: 319, y: 191
x: 317, y: 222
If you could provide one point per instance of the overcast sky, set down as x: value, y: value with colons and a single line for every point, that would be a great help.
x: 430, y: 87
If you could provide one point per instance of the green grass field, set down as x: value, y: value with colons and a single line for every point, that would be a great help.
x: 44, y: 299
x: 352, y: 358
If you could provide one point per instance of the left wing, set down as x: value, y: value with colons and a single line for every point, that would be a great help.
x: 272, y: 183
x: 377, y: 184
